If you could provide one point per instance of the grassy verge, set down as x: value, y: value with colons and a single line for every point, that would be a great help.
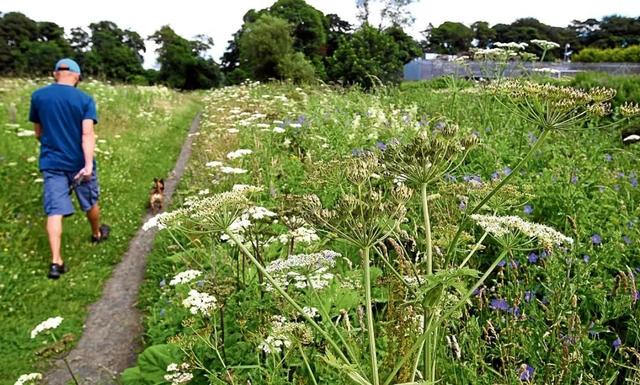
x: 140, y: 134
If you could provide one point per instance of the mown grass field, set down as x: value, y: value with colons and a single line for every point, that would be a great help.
x: 139, y: 135
x: 565, y: 317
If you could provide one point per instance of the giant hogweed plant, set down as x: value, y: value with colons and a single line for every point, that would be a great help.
x: 372, y: 208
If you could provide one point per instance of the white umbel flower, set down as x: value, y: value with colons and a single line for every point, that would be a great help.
x: 51, y: 323
x: 30, y: 378
x: 199, y: 302
x: 501, y: 226
x: 238, y: 153
x: 184, y: 277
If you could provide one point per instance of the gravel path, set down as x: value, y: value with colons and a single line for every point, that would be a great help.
x: 112, y: 338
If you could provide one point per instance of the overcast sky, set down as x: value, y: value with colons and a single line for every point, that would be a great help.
x: 220, y: 19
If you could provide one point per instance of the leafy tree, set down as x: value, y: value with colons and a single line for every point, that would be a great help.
x: 483, y: 34
x: 336, y: 30
x: 448, y: 38
x: 307, y: 27
x: 408, y: 47
x: 262, y: 46
x: 366, y: 57
x: 182, y: 64
x: 115, y: 53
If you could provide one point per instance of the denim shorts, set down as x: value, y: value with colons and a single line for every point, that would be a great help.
x: 58, y: 186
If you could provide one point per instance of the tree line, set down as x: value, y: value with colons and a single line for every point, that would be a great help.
x: 289, y: 40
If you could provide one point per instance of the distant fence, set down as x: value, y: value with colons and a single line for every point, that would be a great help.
x: 420, y: 69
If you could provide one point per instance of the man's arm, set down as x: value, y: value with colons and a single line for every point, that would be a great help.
x: 37, y: 128
x: 88, y: 148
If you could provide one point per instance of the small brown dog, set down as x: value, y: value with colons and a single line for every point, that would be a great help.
x: 156, y: 197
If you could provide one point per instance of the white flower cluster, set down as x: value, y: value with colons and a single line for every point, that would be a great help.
x: 545, y: 44
x: 51, y: 323
x: 281, y: 332
x: 500, y: 226
x: 301, y: 234
x: 243, y: 222
x: 199, y: 302
x: 303, y: 270
x: 511, y: 45
x: 28, y: 378
x: 311, y: 311
x: 232, y: 170
x: 201, y: 208
x: 238, y: 153
x: 178, y: 374
x: 184, y: 277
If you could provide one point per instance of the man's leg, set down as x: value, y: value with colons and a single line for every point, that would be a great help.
x: 93, y: 215
x: 54, y: 230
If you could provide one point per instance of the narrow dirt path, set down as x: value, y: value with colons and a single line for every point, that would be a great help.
x: 111, y: 338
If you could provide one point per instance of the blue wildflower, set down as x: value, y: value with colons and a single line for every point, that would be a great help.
x: 502, y: 263
x: 499, y: 304
x: 506, y: 171
x: 543, y: 254
x: 608, y: 157
x: 495, y: 176
x: 596, y: 239
x: 585, y: 258
x: 526, y: 373
x: 462, y: 205
x: 163, y: 283
x: 627, y: 240
x: 574, y: 179
x: 532, y: 138
x: 532, y: 258
x: 616, y: 343
x: 162, y: 312
x: 381, y: 146
x: 529, y: 295
x: 634, y: 181
x: 528, y: 209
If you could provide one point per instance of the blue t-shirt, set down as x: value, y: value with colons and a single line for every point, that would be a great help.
x: 60, y: 110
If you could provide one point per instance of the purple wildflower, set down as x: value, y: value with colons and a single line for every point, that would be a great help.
x: 462, y: 205
x: 574, y: 179
x: 529, y: 295
x: 381, y: 146
x: 528, y: 209
x: 596, y: 239
x: 616, y: 343
x: 499, y: 304
x: 502, y: 263
x: 608, y: 157
x: 515, y: 311
x: 506, y: 171
x: 532, y: 258
x: 634, y: 181
x: 526, y: 373
x: 585, y: 258
x: 627, y: 240
x: 162, y: 312
x: 495, y: 176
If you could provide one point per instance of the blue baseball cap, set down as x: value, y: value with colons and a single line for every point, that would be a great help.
x: 67, y: 64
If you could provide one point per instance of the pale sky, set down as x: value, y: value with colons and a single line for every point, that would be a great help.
x: 220, y: 19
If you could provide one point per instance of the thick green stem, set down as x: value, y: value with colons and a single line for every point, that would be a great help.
x: 370, y: 330
x: 427, y: 229
x: 287, y: 297
x: 429, y: 343
x: 307, y: 366
x: 444, y: 317
x: 504, y: 181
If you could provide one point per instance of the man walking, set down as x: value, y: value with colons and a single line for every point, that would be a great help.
x: 63, y: 119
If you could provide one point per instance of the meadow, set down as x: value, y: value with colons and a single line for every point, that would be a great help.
x: 444, y: 231
x: 139, y: 135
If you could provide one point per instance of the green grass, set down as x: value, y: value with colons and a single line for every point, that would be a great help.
x: 140, y: 134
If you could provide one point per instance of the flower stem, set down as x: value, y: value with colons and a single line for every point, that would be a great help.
x: 370, y: 330
x: 287, y: 297
x: 504, y: 181
x: 444, y: 317
x: 427, y: 229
